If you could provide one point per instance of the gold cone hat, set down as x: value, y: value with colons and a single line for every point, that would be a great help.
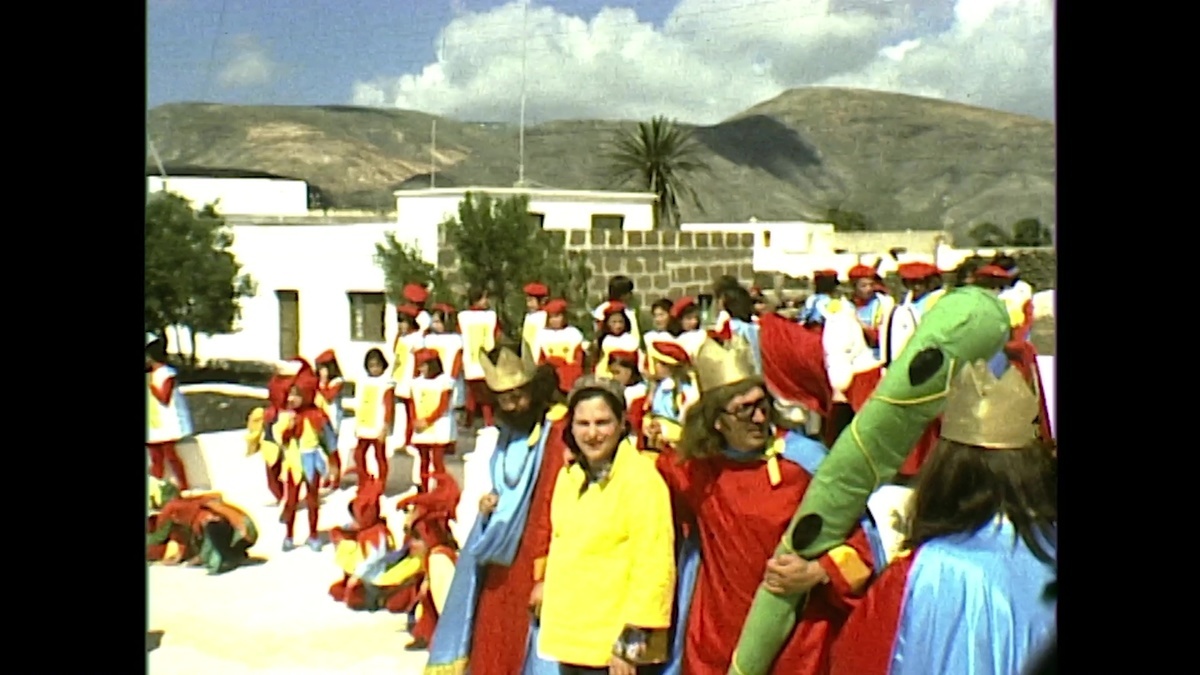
x: 717, y: 366
x: 509, y: 371
x: 986, y: 412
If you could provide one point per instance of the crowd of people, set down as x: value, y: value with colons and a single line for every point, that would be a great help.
x: 642, y: 481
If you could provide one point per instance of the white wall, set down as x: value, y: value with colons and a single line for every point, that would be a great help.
x: 243, y: 196
x: 322, y: 263
x: 563, y: 209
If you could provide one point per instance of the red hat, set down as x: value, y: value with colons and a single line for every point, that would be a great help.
x: 306, y: 381
x: 556, y: 306
x: 409, y: 310
x: 994, y: 271
x: 613, y: 307
x: 415, y: 293
x: 862, y: 272
x: 365, y: 505
x: 793, y: 359
x: 536, y: 289
x: 326, y: 356
x: 825, y: 273
x: 433, y: 510
x: 424, y: 355
x: 631, y: 357
x: 916, y: 271
x: 670, y: 353
x: 681, y: 305
x: 444, y: 308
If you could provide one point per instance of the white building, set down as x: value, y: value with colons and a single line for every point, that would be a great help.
x: 554, y: 209
x: 259, y: 196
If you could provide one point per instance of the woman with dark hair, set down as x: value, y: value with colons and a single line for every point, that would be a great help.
x: 611, y: 524
x: 981, y: 528
x: 660, y: 315
x: 615, y: 336
x: 434, y: 431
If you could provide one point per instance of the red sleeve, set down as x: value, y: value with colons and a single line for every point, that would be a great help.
x: 849, y: 567
x: 163, y: 394
x: 443, y: 406
x: 725, y: 334
x: 681, y: 483
x: 864, y: 645
x: 635, y: 415
x: 456, y: 367
x: 389, y: 406
x: 537, y: 532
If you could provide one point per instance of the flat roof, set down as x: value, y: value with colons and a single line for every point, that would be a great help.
x: 550, y: 193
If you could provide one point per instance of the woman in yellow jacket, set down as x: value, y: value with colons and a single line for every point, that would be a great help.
x: 609, y: 586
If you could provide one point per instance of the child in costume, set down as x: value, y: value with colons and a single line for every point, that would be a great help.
x: 685, y: 315
x: 430, y: 541
x: 624, y: 369
x: 434, y: 430
x: 449, y: 346
x: 409, y: 338
x: 200, y: 528
x: 535, y: 314
x: 669, y: 397
x: 418, y: 295
x: 307, y: 439
x: 168, y: 420
x: 660, y: 314
x: 376, y: 574
x: 374, y: 414
x: 560, y: 345
x: 329, y: 400
x: 480, y: 329
x: 277, y: 393
x: 615, y: 336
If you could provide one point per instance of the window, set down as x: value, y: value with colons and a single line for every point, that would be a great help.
x: 367, y: 311
x: 766, y: 239
x: 538, y: 219
x: 607, y: 222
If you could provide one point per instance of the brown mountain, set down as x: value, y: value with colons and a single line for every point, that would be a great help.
x: 903, y: 162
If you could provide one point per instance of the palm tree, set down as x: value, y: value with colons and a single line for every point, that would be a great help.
x: 656, y: 157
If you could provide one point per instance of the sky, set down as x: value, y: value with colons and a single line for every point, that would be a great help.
x: 700, y: 61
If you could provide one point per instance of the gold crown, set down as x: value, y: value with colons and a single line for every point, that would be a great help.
x: 717, y: 366
x: 991, y: 413
x: 509, y: 371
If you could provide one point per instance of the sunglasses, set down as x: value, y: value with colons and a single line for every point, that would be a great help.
x: 745, y: 412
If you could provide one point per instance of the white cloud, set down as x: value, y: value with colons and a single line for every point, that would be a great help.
x: 248, y: 64
x: 713, y: 58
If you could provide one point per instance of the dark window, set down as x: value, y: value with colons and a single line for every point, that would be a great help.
x: 538, y: 219
x: 367, y: 311
x: 607, y: 222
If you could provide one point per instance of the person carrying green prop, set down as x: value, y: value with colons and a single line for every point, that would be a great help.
x: 967, y: 325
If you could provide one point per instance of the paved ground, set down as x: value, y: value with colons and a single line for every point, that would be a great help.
x: 275, y: 617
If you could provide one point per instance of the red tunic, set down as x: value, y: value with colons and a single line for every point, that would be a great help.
x: 864, y: 646
x: 500, y: 636
x: 741, y: 519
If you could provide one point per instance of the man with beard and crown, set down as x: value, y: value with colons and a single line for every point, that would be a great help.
x: 430, y: 541
x: 982, y: 526
x: 376, y: 574
x: 735, y: 485
x: 418, y: 295
x: 535, y: 314
x: 306, y: 437
x: 501, y: 564
x: 560, y: 345
x: 872, y: 306
x: 480, y: 329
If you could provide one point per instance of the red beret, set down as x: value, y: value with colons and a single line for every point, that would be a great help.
x: 409, y: 310
x: 915, y: 271
x: 681, y: 305
x: 326, y: 356
x: 994, y: 271
x: 415, y: 293
x: 623, y: 356
x: 669, y: 352
x: 863, y: 272
x: 613, y: 307
x: 556, y: 306
x: 825, y: 273
x: 425, y: 355
x: 536, y: 289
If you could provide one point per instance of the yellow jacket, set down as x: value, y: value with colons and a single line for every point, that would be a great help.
x: 611, y: 561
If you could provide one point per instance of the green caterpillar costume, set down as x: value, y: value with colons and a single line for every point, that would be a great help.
x: 968, y: 324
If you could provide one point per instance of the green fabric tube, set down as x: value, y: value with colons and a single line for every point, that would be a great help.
x: 966, y: 325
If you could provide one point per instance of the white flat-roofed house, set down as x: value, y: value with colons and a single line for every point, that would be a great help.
x: 236, y: 192
x: 555, y: 209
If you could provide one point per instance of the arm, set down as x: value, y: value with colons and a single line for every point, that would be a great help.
x: 456, y: 367
x: 389, y: 410
x: 651, y: 590
x: 538, y: 529
x: 849, y: 568
x: 162, y: 393
x: 442, y: 407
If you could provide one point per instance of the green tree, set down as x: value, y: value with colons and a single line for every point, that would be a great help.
x: 1031, y: 232
x: 501, y: 248
x: 988, y: 234
x: 658, y: 157
x: 402, y: 264
x: 191, y: 278
x: 847, y: 221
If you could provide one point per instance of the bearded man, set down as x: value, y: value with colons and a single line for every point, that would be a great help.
x: 499, y: 572
x: 736, y: 484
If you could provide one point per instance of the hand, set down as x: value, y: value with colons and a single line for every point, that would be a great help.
x: 653, y: 429
x: 619, y: 666
x: 424, y: 589
x: 789, y: 574
x: 535, y: 599
x: 420, y: 427
x: 487, y: 503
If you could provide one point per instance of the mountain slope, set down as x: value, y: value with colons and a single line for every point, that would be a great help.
x: 904, y: 162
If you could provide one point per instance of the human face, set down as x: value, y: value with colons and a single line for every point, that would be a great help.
x: 661, y: 318
x: 437, y: 325
x: 690, y: 321
x: 514, y: 401
x: 417, y: 547
x: 556, y: 321
x: 424, y: 369
x: 374, y: 367
x: 864, y: 288
x: 616, y: 323
x: 621, y: 373
x: 323, y: 374
x: 596, y: 429
x: 404, y: 324
x: 743, y: 422
x: 294, y: 399
x: 532, y: 304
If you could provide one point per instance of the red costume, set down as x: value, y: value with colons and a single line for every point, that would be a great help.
x: 305, y: 438
x: 741, y: 516
x: 329, y: 397
x: 434, y: 431
x: 277, y: 394
x: 369, y: 581
x: 499, y: 639
x: 429, y: 522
